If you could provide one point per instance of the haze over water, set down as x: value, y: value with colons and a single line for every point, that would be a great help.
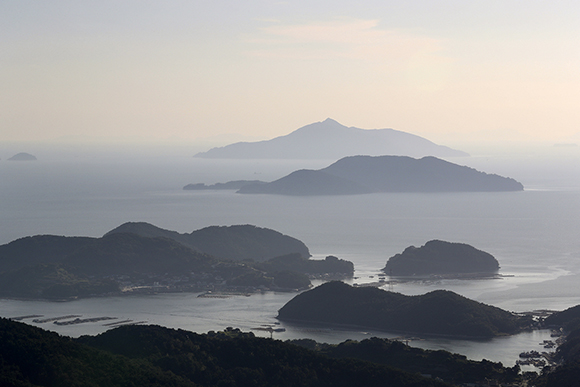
x: 533, y: 234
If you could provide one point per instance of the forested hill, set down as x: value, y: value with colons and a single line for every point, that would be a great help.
x: 139, y: 257
x: 114, y: 254
x: 440, y: 312
x: 567, y: 374
x: 155, y: 356
x: 80, y: 267
x: 237, y: 242
x: 441, y: 258
x: 366, y: 174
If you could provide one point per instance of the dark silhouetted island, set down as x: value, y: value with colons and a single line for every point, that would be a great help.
x: 331, y: 140
x: 139, y: 257
x: 22, y: 157
x: 442, y: 258
x: 438, y: 313
x: 368, y: 174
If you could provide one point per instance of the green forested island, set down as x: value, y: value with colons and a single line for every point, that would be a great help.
x: 442, y: 258
x: 139, y: 257
x: 438, y: 313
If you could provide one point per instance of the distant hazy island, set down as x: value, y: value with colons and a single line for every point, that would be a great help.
x: 442, y: 258
x: 139, y: 257
x: 368, y: 174
x: 439, y: 312
x: 22, y: 157
x: 330, y: 140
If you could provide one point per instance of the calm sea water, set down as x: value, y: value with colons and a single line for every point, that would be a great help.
x: 533, y: 234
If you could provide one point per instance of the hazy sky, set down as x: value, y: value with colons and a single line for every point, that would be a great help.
x: 179, y: 70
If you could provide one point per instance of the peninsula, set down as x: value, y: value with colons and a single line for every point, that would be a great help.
x: 442, y: 258
x: 438, y: 313
x: 139, y: 257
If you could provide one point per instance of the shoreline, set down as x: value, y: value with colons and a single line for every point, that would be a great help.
x: 420, y: 335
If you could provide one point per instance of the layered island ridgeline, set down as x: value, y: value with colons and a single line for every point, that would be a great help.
x: 237, y: 243
x: 331, y: 140
x: 438, y: 313
x: 367, y: 174
x: 139, y: 257
x: 443, y: 259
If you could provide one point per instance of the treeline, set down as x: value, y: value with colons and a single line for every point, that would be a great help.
x: 295, y: 262
x: 156, y: 356
x: 453, y: 368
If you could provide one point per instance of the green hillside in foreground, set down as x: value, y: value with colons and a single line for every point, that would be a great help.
x: 156, y: 356
x: 441, y: 364
x: 440, y: 312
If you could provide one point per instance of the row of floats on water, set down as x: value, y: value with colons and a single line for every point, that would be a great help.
x: 538, y: 359
x: 534, y: 358
x: 73, y: 319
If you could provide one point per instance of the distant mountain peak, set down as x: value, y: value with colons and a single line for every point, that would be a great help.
x: 331, y: 121
x: 329, y: 139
